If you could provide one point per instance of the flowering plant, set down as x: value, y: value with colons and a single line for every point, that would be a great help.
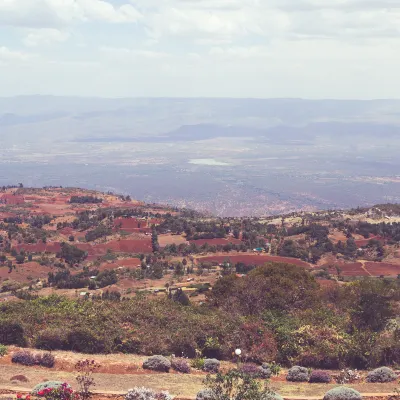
x: 63, y: 392
x: 20, y: 397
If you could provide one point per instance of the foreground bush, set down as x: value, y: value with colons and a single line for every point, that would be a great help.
x: 45, y: 360
x: 265, y: 371
x: 251, y: 369
x: 347, y: 376
x: 47, y: 385
x: 318, y: 376
x: 342, y: 393
x: 235, y: 385
x: 272, y: 396
x: 205, y: 394
x: 211, y: 365
x: 3, y: 350
x: 57, y: 392
x: 297, y: 374
x: 23, y: 358
x: 142, y: 393
x: 381, y: 375
x: 180, y: 365
x: 157, y: 363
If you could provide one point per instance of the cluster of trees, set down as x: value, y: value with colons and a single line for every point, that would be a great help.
x: 194, y: 229
x: 71, y: 254
x: 85, y: 199
x: 100, y: 231
x: 63, y: 279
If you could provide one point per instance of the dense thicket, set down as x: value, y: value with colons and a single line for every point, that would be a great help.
x: 277, y: 312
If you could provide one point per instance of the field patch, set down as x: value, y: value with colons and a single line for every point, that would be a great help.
x: 251, y: 259
x: 381, y: 268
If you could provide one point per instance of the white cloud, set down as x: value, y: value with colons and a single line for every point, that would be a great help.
x: 8, y: 56
x: 264, y: 48
x: 45, y: 36
x: 55, y: 13
x: 125, y: 53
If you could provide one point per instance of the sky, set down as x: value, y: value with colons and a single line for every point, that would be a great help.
x: 201, y: 48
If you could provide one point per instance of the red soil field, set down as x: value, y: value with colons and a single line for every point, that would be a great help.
x: 129, y: 223
x: 131, y: 246
x: 349, y: 269
x: 23, y: 271
x: 381, y: 268
x: 364, y: 242
x: 215, y: 242
x: 254, y: 259
x: 6, y: 215
x: 50, y: 247
x: 11, y: 199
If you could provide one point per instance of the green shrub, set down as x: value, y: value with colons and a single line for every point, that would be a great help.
x: 297, y: 374
x: 318, y: 376
x: 52, y: 339
x: 157, y: 363
x: 272, y: 396
x: 12, y: 333
x: 235, y: 385
x: 3, y: 350
x: 198, y: 363
x: 211, y: 365
x: 142, y: 393
x: 84, y: 341
x: 381, y: 375
x: 205, y: 394
x: 45, y: 360
x: 342, y: 393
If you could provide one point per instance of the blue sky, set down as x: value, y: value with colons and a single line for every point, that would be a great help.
x: 204, y: 48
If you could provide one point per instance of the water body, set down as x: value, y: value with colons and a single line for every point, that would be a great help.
x: 207, y: 161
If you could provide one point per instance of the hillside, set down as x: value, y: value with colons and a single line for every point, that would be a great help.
x: 83, y: 237
x: 99, y: 273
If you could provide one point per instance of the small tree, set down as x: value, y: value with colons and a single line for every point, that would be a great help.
x: 85, y: 380
x: 236, y: 385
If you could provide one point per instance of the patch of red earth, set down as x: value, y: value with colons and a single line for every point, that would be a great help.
x: 54, y: 209
x: 127, y: 224
x: 381, y: 268
x: 215, y: 242
x: 364, y: 242
x: 50, y: 247
x: 348, y: 269
x: 128, y: 262
x: 128, y: 246
x: 29, y: 269
x: 117, y: 246
x: 11, y: 199
x: 7, y: 215
x: 66, y: 231
x: 254, y: 259
x: 155, y: 221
